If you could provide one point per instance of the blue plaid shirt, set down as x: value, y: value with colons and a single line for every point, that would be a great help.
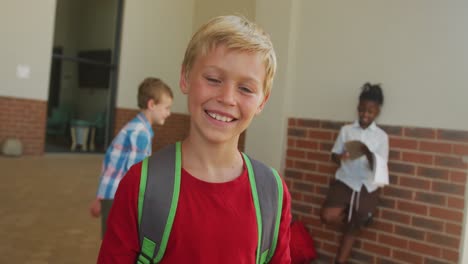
x: 130, y: 146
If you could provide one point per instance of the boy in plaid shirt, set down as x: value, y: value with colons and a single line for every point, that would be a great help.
x: 133, y: 143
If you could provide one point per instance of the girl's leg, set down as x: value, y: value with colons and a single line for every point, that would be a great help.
x: 333, y: 216
x: 346, y: 245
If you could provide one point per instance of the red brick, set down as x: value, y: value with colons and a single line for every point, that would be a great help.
x: 316, y: 178
x: 418, y: 158
x: 394, y: 155
x: 420, y: 132
x: 427, y: 223
x: 301, y: 186
x: 291, y: 122
x: 443, y: 240
x: 331, y: 248
x: 293, y: 174
x: 424, y: 249
x: 310, y: 220
x: 320, y: 135
x: 308, y: 123
x: 412, y: 207
x: 430, y: 198
x: 453, y: 135
x: 362, y: 257
x: 306, y: 144
x: 329, y: 169
x: 461, y: 150
x: 395, y: 217
x: 416, y: 183
x: 321, y: 190
x: 300, y: 207
x: 451, y: 162
x: 296, y: 196
x: 393, y: 130
x: 435, y: 147
x: 291, y: 142
x: 296, y: 132
x: 304, y: 165
x: 376, y: 249
x: 368, y: 234
x: 458, y: 176
x: 453, y: 229
x: 24, y: 119
x: 313, y: 199
x: 451, y: 215
x: 394, y: 179
x: 383, y: 226
x: 387, y: 203
x: 326, y: 146
x: 403, y: 143
x: 450, y: 188
x: 292, y: 153
x: 433, y: 173
x: 323, y: 234
x: 331, y: 125
x: 395, y: 191
x: 450, y: 255
x: 455, y: 203
x: 401, y: 168
x: 407, y: 257
x: 316, y: 156
x: 409, y: 232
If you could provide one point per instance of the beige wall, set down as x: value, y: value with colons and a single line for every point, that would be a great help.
x: 266, y: 135
x: 207, y: 9
x: 27, y: 28
x: 154, y: 36
x: 416, y: 49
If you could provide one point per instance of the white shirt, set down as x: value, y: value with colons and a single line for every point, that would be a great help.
x: 356, y: 173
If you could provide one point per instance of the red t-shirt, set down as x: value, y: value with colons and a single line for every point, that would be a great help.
x: 214, y: 223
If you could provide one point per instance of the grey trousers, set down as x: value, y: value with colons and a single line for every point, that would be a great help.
x: 106, y: 205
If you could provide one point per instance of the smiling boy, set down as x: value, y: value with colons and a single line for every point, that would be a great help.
x: 227, y: 74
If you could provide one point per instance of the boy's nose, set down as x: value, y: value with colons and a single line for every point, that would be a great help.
x: 227, y: 94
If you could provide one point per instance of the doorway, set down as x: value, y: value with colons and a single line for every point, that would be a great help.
x: 83, y: 75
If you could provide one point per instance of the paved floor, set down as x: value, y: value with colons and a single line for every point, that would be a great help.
x: 44, y: 209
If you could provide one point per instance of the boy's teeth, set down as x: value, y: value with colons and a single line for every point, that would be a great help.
x: 220, y: 117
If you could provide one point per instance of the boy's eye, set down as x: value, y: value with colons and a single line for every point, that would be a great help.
x: 245, y: 89
x: 213, y: 80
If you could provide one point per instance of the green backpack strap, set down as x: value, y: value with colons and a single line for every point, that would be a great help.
x: 267, y: 193
x: 156, y: 208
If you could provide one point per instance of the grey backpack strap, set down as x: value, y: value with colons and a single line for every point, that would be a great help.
x: 267, y: 192
x: 157, y: 204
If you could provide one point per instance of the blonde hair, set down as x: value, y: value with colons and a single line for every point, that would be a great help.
x: 152, y: 88
x: 237, y: 33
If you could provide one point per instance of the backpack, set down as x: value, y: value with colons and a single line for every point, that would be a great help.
x: 159, y: 194
x: 302, y: 245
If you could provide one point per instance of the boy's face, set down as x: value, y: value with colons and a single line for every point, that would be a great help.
x: 225, y: 92
x: 160, y: 111
x: 368, y: 112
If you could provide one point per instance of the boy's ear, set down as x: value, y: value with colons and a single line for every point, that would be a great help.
x: 262, y: 105
x: 150, y: 104
x: 183, y: 81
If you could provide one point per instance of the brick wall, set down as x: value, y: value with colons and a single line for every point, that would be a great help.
x: 24, y: 119
x: 176, y: 127
x: 421, y: 216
